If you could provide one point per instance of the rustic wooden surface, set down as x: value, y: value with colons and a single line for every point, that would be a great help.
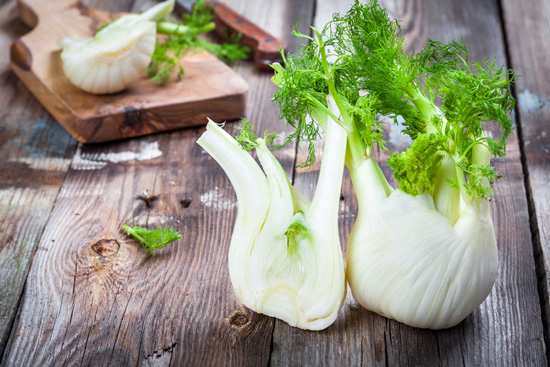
x: 528, y: 50
x: 210, y: 87
x: 92, y: 297
x: 35, y: 153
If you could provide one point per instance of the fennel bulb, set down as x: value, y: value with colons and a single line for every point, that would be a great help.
x: 425, y: 254
x: 409, y: 262
x: 117, y: 55
x: 284, y: 258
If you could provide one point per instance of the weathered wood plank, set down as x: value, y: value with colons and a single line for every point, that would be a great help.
x: 506, y: 329
x: 128, y: 308
x: 87, y: 305
x: 529, y: 52
x: 35, y: 153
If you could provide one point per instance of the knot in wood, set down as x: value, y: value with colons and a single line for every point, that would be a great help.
x: 106, y: 247
x: 147, y: 198
x: 238, y: 320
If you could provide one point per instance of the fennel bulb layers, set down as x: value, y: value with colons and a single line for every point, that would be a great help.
x: 285, y: 258
x: 117, y: 55
x: 408, y: 262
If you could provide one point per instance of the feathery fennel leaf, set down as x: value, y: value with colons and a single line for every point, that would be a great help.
x: 308, y: 78
x: 152, y: 240
x: 412, y: 85
x: 416, y: 168
x: 183, y: 37
x: 248, y: 139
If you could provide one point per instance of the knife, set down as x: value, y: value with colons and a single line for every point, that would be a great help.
x: 264, y: 46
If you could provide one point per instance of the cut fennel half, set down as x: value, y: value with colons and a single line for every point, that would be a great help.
x: 117, y: 55
x: 285, y: 258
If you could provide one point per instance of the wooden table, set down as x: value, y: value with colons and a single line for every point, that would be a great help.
x: 64, y: 301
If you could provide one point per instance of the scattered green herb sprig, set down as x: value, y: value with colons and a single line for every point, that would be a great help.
x: 152, y: 240
x: 183, y: 37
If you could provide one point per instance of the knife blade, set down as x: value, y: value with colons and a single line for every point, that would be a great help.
x: 264, y: 47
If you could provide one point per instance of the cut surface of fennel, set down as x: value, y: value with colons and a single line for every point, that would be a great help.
x: 285, y: 258
x: 409, y: 262
x: 117, y: 55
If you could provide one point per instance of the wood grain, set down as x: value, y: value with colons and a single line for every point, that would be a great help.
x: 529, y: 51
x: 208, y: 87
x: 497, y: 333
x: 82, y: 307
x: 129, y: 308
x: 35, y: 153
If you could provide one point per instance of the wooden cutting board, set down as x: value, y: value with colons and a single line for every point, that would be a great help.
x: 209, y: 88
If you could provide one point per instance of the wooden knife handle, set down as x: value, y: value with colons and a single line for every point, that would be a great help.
x: 264, y: 46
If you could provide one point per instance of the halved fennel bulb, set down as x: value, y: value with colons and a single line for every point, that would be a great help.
x: 284, y: 258
x: 408, y: 262
x: 117, y: 55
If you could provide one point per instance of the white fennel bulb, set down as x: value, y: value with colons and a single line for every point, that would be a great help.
x: 410, y: 263
x: 117, y: 55
x: 285, y: 258
x: 424, y: 254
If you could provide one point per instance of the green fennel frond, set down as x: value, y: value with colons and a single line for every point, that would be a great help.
x: 477, y: 174
x: 152, y: 240
x: 183, y: 37
x: 476, y: 95
x: 375, y: 41
x: 436, y: 91
x: 229, y: 51
x: 366, y: 121
x: 166, y: 60
x: 302, y: 93
x: 308, y: 78
x: 416, y: 168
x: 248, y: 139
x: 437, y: 58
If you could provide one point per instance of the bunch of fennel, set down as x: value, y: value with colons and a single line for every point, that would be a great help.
x: 285, y: 258
x: 424, y: 254
x: 117, y: 55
